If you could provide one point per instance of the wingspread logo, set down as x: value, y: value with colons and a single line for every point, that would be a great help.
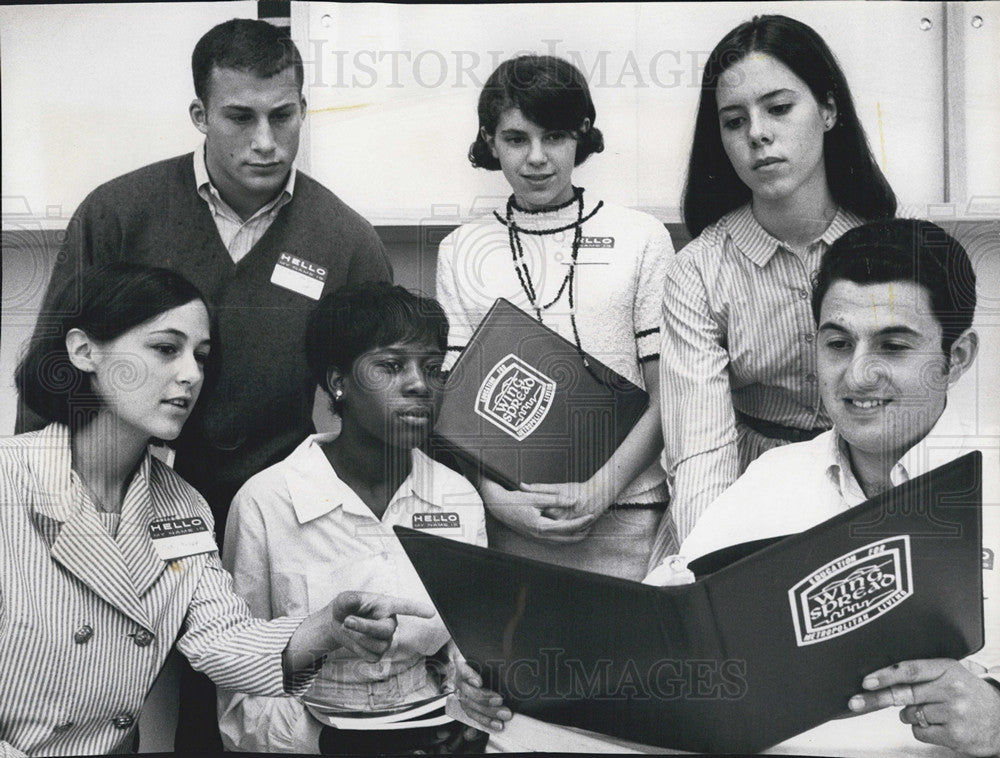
x: 515, y: 397
x: 852, y: 590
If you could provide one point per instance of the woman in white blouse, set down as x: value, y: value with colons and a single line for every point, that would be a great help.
x: 586, y: 268
x: 106, y: 555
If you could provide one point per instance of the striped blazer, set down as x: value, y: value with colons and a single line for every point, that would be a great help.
x: 87, y: 619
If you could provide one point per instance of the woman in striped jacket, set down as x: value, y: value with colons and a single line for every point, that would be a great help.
x: 779, y: 169
x: 106, y: 555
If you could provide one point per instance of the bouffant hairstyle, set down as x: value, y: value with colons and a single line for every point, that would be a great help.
x: 354, y: 319
x: 908, y: 250
x: 549, y: 91
x: 713, y: 189
x: 105, y: 301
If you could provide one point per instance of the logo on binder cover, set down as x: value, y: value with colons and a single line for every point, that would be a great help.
x: 852, y: 590
x: 515, y: 397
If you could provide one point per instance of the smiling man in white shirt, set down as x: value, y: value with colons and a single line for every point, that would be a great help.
x: 894, y: 303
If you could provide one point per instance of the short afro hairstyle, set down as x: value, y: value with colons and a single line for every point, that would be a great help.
x: 354, y: 319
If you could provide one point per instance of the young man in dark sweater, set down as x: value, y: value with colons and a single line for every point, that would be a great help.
x: 262, y: 241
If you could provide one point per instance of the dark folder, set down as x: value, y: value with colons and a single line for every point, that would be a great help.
x: 527, y: 406
x: 764, y: 648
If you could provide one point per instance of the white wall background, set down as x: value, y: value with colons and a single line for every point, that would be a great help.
x: 91, y: 91
x: 394, y: 144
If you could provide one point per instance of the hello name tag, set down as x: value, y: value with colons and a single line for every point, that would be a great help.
x: 180, y: 537
x: 299, y: 275
x: 436, y: 521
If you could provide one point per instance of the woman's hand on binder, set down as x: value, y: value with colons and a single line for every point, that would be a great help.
x: 671, y: 572
x: 533, y: 514
x: 575, y: 499
x: 944, y: 702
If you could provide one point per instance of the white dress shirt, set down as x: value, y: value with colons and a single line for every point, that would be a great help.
x: 795, y: 487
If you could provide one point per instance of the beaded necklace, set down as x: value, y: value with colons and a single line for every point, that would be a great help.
x: 521, y: 266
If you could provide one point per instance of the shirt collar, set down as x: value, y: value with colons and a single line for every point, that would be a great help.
x: 944, y: 442
x: 840, y: 472
x: 211, y: 195
x: 756, y: 244
x: 316, y: 490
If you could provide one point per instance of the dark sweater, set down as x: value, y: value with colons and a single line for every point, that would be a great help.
x: 260, y: 405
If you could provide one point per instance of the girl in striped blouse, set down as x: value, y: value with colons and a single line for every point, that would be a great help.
x: 780, y: 167
x: 106, y: 555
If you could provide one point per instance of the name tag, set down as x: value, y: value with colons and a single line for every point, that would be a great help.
x: 180, y: 537
x: 299, y: 275
x: 598, y: 242
x: 436, y: 521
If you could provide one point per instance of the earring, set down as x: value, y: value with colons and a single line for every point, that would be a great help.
x: 338, y: 394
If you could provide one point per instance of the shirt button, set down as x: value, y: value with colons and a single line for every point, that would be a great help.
x: 83, y: 634
x: 803, y: 295
x: 142, y: 638
x: 63, y: 727
x: 810, y: 338
x: 122, y: 721
x: 810, y: 377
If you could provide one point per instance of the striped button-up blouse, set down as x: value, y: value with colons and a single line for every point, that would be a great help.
x: 738, y: 335
x: 87, y: 618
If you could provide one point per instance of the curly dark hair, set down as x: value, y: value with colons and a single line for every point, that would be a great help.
x: 908, y: 250
x: 549, y: 91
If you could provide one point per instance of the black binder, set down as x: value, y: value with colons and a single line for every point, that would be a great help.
x: 766, y: 647
x: 527, y: 406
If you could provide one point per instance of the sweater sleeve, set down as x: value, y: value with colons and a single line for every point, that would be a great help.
x: 370, y: 261
x: 656, y: 254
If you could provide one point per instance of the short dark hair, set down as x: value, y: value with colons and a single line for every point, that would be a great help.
x: 105, y: 301
x: 908, y: 250
x: 244, y: 44
x: 549, y: 91
x: 356, y: 318
x: 713, y: 188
